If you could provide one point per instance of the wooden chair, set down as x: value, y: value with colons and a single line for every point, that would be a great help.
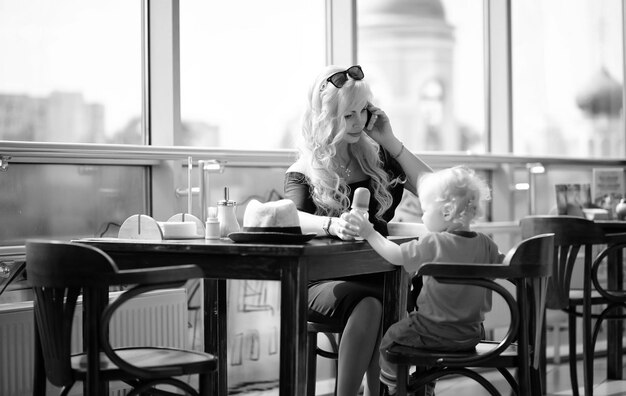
x: 574, y: 235
x: 58, y: 272
x: 527, y: 266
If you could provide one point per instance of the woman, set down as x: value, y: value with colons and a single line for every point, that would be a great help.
x: 338, y: 154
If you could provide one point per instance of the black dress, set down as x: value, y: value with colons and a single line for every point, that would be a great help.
x: 332, y: 301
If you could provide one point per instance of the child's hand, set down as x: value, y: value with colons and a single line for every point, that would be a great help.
x: 361, y: 224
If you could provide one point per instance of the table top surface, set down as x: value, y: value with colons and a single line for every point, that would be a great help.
x: 612, y: 225
x: 315, y: 246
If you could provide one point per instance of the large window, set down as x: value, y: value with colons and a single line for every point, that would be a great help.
x: 567, y: 78
x: 245, y: 67
x: 70, y: 71
x: 68, y: 201
x: 424, y: 60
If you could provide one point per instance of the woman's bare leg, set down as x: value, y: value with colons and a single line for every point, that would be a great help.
x: 358, y: 348
x: 372, y: 387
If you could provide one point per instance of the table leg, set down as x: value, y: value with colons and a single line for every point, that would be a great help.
x: 94, y: 301
x: 215, y: 324
x: 395, y: 290
x: 294, y: 308
x: 396, y: 286
x: 615, y: 328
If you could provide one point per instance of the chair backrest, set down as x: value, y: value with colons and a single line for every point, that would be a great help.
x: 56, y: 271
x: 534, y: 256
x: 570, y: 235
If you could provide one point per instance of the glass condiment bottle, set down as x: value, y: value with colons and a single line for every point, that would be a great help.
x: 226, y: 215
x: 620, y: 209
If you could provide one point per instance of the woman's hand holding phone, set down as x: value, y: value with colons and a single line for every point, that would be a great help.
x: 378, y: 126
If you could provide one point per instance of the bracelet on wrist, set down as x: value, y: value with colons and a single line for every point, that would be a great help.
x: 399, y: 152
x: 326, y: 225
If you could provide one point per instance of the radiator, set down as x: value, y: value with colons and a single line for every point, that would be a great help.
x: 158, y: 318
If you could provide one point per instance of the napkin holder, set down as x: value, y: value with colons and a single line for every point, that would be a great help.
x: 140, y: 226
x: 189, y: 217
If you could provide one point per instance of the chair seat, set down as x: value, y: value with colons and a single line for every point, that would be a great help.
x: 401, y: 354
x: 323, y: 327
x: 169, y: 361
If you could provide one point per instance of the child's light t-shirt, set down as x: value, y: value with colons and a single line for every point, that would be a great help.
x: 451, y: 312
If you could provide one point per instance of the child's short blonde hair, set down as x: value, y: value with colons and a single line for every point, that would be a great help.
x: 459, y: 191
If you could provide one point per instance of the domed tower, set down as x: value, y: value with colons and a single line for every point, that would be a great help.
x: 601, y: 101
x: 406, y: 48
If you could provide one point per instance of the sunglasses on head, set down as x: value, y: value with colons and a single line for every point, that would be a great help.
x: 339, y: 79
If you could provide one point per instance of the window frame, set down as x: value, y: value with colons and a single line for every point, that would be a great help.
x: 161, y: 111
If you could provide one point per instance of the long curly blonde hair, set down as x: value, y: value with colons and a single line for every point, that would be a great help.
x: 323, y: 127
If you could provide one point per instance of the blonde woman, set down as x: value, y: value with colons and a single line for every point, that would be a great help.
x: 347, y: 143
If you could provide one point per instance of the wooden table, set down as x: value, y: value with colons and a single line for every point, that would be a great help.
x: 293, y: 265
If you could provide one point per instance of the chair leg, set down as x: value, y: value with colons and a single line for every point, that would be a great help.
x: 402, y: 380
x: 311, y: 364
x: 556, y: 342
x: 571, y: 318
x: 336, y: 350
x: 39, y: 376
x: 587, y: 352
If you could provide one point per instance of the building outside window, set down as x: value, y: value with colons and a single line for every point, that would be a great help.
x: 425, y: 61
x: 568, y: 71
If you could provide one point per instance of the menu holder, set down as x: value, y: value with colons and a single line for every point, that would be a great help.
x: 140, y: 226
x: 189, y: 217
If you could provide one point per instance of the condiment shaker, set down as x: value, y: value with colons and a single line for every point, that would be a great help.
x: 226, y: 215
x: 212, y: 225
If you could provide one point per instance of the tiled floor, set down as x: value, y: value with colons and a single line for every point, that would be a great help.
x: 558, y: 383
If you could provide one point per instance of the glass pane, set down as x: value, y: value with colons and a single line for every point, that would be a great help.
x: 68, y: 201
x: 567, y: 78
x: 70, y: 71
x: 245, y: 68
x: 424, y: 60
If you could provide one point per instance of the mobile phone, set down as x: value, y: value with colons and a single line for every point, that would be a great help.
x: 369, y: 117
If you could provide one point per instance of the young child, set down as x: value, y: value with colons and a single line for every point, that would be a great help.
x: 448, y: 317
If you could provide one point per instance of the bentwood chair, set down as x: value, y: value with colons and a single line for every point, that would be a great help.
x: 527, y: 266
x: 58, y: 272
x: 574, y: 235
